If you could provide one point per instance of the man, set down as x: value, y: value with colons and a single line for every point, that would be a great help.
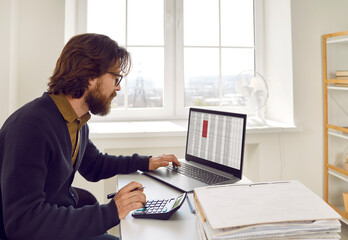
x: 45, y: 142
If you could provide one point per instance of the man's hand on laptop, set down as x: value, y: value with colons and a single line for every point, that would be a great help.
x: 163, y: 161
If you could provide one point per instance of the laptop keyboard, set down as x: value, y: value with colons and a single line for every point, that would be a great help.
x: 198, y: 173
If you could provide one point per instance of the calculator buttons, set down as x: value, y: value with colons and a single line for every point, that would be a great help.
x: 158, y: 209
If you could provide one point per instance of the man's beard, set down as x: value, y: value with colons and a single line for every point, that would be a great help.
x: 97, y: 103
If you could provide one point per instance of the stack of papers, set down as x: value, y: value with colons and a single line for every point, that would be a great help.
x: 277, y: 210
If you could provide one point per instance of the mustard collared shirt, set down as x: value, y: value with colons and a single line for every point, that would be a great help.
x: 73, y: 122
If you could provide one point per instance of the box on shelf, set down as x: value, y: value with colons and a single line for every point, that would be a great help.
x: 342, y: 73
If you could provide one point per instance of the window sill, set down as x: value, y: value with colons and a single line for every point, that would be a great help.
x: 128, y: 129
x: 170, y: 128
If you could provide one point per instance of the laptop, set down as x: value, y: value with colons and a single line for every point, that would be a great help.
x: 214, y: 151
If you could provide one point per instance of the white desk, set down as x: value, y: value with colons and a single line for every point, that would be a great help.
x: 180, y: 226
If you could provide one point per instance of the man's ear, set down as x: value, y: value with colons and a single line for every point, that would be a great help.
x: 92, y: 83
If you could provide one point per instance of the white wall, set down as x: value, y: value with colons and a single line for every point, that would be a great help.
x: 41, y: 39
x: 8, y: 57
x: 310, y: 20
x: 5, y: 26
x: 277, y: 60
x: 32, y: 36
x: 293, y: 50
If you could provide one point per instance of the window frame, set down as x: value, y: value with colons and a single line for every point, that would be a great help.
x: 173, y: 91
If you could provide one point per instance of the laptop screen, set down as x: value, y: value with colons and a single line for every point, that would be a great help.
x: 216, y: 139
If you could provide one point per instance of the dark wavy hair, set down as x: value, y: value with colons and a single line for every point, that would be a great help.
x: 85, y: 57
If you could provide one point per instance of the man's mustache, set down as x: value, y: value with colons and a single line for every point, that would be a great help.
x: 113, y: 94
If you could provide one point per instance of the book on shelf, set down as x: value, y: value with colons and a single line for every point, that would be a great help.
x: 341, y: 85
x: 341, y: 73
x: 264, y: 211
x: 342, y: 77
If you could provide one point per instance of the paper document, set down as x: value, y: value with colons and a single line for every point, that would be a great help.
x: 320, y: 229
x: 229, y: 206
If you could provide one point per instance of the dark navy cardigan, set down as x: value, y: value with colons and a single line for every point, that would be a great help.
x: 36, y: 197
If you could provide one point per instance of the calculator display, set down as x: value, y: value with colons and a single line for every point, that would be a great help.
x: 177, y: 201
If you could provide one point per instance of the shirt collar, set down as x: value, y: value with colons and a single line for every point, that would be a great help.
x: 67, y: 110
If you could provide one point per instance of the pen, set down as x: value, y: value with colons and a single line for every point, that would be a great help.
x: 111, y: 195
x: 190, y: 206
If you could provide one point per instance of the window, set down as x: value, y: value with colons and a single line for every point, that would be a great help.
x: 218, y: 44
x: 184, y: 53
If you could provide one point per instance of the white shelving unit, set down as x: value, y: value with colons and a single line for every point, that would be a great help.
x: 335, y: 57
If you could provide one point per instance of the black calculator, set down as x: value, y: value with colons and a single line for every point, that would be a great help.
x: 160, y: 209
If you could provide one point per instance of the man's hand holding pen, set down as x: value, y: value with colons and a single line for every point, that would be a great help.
x: 129, y: 198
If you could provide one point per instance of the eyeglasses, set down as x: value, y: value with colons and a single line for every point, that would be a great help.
x: 118, y: 78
